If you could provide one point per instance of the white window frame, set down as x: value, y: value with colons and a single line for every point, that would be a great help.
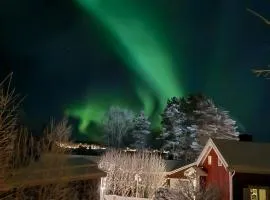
x: 219, y: 162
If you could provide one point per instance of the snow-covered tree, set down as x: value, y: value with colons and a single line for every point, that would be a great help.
x: 117, y: 122
x: 177, y: 135
x: 140, y: 131
x: 189, y: 122
x: 213, y: 122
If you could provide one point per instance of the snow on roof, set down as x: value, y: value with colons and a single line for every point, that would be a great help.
x: 54, y: 168
x: 180, y: 170
x: 245, y: 157
x: 173, y: 164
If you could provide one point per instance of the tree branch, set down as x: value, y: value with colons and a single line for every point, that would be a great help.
x: 266, y: 21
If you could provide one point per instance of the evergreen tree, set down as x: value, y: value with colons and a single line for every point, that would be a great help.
x: 213, y: 122
x: 177, y: 135
x: 189, y: 122
x: 140, y: 131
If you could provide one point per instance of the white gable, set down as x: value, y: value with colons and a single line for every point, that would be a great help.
x: 206, y: 150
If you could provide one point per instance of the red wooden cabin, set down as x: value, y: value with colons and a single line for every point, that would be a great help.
x: 241, y: 170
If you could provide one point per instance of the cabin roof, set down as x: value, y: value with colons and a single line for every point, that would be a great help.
x: 173, y: 165
x: 238, y: 156
x: 179, y: 172
x: 53, y: 168
x: 245, y: 157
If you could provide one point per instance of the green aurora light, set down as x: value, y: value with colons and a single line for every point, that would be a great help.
x: 93, y: 109
x: 138, y: 39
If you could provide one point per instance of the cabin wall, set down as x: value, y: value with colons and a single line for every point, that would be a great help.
x: 79, y: 190
x: 217, y: 176
x: 3, y: 185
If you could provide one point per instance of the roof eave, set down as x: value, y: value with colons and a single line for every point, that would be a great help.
x: 181, y: 168
x: 15, y: 184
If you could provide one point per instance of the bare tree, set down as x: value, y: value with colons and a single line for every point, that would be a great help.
x: 265, y: 73
x: 166, y: 194
x: 137, y: 175
x: 52, y: 156
x: 54, y: 135
x: 9, y: 103
x: 26, y: 149
x: 19, y: 151
x: 117, y: 122
x: 187, y: 190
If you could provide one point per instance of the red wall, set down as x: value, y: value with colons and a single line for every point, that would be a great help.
x: 217, y: 175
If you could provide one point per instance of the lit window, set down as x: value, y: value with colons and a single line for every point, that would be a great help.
x: 219, y: 162
x: 209, y: 160
x: 258, y: 194
x: 254, y: 194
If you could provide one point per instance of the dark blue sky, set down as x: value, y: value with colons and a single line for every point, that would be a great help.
x: 57, y: 52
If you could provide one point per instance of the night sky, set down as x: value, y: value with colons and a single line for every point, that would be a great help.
x: 79, y: 57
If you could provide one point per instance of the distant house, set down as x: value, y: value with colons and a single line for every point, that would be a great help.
x: 51, y: 170
x: 241, y: 170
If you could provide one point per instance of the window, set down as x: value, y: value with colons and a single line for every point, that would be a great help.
x: 209, y: 159
x: 219, y: 162
x: 262, y: 194
x: 256, y: 193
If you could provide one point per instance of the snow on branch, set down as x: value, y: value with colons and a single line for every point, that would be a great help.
x: 266, y: 21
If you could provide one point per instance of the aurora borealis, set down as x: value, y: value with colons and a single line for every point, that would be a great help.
x: 139, y: 42
x: 138, y: 39
x: 79, y: 57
